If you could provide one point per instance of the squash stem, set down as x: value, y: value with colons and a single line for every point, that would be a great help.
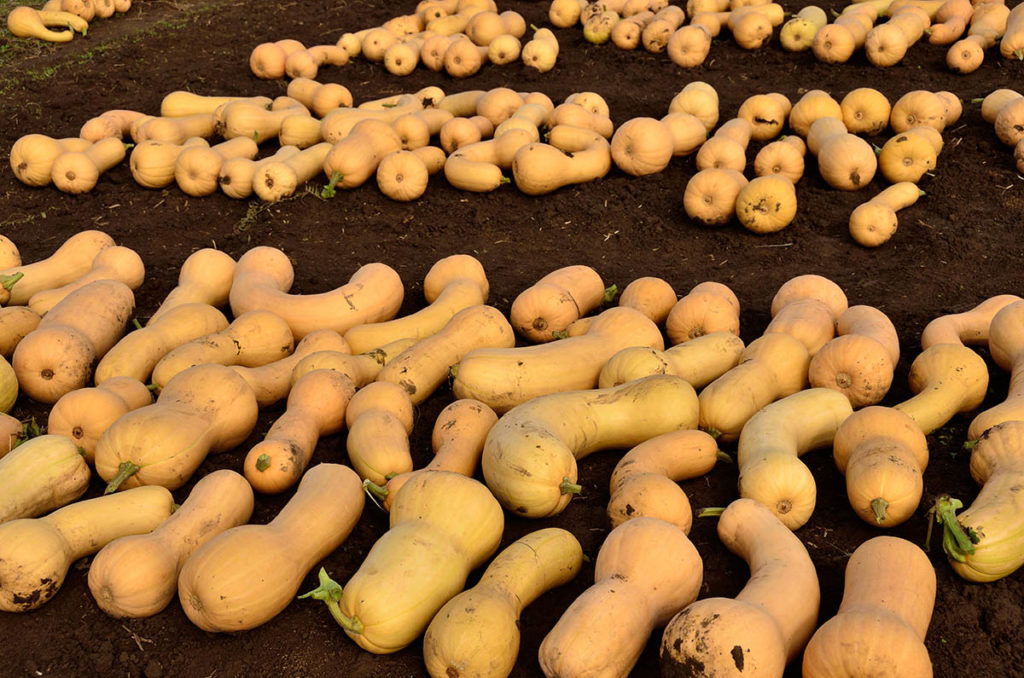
x: 124, y: 471
x: 711, y: 512
x: 263, y: 462
x: 374, y: 490
x: 504, y: 180
x: 610, y: 293
x: 723, y: 457
x: 136, y: 323
x: 569, y: 487
x: 329, y: 190
x: 878, y: 506
x: 713, y: 432
x: 329, y: 591
x: 453, y: 371
x: 969, y: 445
x: 560, y: 334
x: 957, y: 542
x: 9, y: 280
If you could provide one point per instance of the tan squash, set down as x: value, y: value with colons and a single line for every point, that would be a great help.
x: 264, y: 275
x: 556, y: 300
x: 784, y: 157
x: 766, y: 204
x: 458, y: 441
x: 115, y: 123
x: 58, y: 356
x: 916, y: 108
x: 205, y: 277
x: 797, y: 34
x: 420, y: 563
x: 111, y: 263
x: 379, y: 419
x: 315, y: 409
x: 708, y: 308
x: 175, y: 130
x: 362, y: 368
x: 252, y: 339
x: 812, y: 105
x: 164, y: 443
x: 644, y: 482
x: 541, y: 52
x: 652, y: 296
x: 181, y: 103
x: 636, y: 589
x: 477, y: 631
x: 987, y: 25
x: 874, y: 222
x: 947, y: 378
x: 642, y: 146
x: 196, y: 169
x: 710, y: 195
x: 547, y: 435
x: 137, y: 576
x: 85, y: 413
x: 78, y: 171
x: 969, y: 327
x: 865, y: 110
x: 236, y: 174
x: 699, y: 361
x: 36, y: 553
x: 27, y: 22
x: 769, y: 621
x: 883, y: 617
x: 699, y: 99
x: 15, y: 324
x: 152, y: 162
x: 1007, y: 350
x: 41, y: 474
x: 810, y: 320
x: 12, y: 434
x: 215, y: 585
x: 859, y: 363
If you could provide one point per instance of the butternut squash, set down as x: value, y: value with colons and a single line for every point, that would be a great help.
x: 252, y: 339
x: 883, y: 617
x: 278, y: 179
x: 379, y: 419
x: 764, y: 628
x: 477, y: 631
x: 969, y: 327
x: 710, y: 195
x: 115, y: 123
x: 78, y: 171
x: 112, y: 263
x: 636, y: 589
x: 541, y: 52
x: 36, y: 553
x: 58, y: 356
x: 361, y: 369
x: 699, y: 99
x: 177, y: 130
x: 32, y: 156
x: 574, y: 155
x: 766, y: 204
x: 987, y: 26
x: 85, y: 413
x: 423, y: 367
x: 39, y: 475
x: 164, y: 443
x: 442, y: 526
x: 196, y: 169
x: 556, y: 300
x: 152, y: 162
x: 15, y: 324
x: 531, y: 469
x: 797, y: 34
x: 643, y: 483
x: 652, y: 296
x: 699, y: 361
x: 708, y: 308
x: 27, y: 22
x: 947, y: 378
x: 205, y: 277
x: 642, y: 146
x: 215, y: 585
x: 271, y: 382
x: 812, y: 105
x: 874, y: 222
x: 264, y: 275
x: 1007, y: 350
x: 136, y: 576
x: 865, y: 111
x: 860, y: 361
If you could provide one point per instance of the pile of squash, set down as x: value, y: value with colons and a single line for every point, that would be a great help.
x: 589, y: 374
x: 70, y: 16
x: 456, y: 36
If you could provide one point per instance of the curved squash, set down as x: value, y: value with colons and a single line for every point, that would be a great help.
x: 205, y: 277
x: 556, y: 300
x: 85, y: 413
x: 947, y: 378
x: 1006, y: 346
x: 699, y: 361
x: 271, y: 382
x: 379, y: 419
x: 69, y: 262
x: 41, y: 474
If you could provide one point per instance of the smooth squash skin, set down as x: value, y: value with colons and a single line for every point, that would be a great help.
x: 36, y: 553
x: 316, y: 408
x: 556, y: 300
x: 860, y: 361
x: 476, y: 633
x: 442, y: 526
x: 699, y: 361
x: 764, y: 628
x: 137, y: 576
x: 58, y: 356
x: 380, y: 419
x: 654, y: 297
x: 15, y: 324
x: 969, y: 327
x: 771, y: 367
x: 264, y: 275
x: 772, y: 441
x: 456, y: 282
x: 506, y: 377
x: 205, y: 277
x: 947, y: 378
x: 204, y: 409
x: 708, y: 308
x: 425, y: 365
x: 138, y: 352
x: 361, y: 369
x: 529, y: 459
x: 643, y: 483
x: 245, y: 576
x: 85, y: 413
x: 646, y: 571
x: 111, y: 263
x: 983, y: 543
x: 272, y: 382
x: 883, y: 455
x: 458, y: 441
x: 882, y: 620
x: 252, y: 339
x: 39, y: 475
x: 70, y: 261
x: 1006, y: 346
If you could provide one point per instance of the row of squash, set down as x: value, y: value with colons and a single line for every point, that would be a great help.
x: 551, y: 417
x: 455, y: 36
x: 70, y: 16
x: 660, y: 28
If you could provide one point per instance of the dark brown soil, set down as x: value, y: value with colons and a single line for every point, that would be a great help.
x: 959, y: 245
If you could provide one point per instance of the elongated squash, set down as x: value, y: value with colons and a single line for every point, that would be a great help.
x: 215, y: 586
x: 205, y: 277
x: 969, y: 327
x: 556, y: 300
x: 636, y: 589
x: 767, y: 624
x: 271, y: 382
x: 1006, y: 346
x: 137, y: 576
x: 476, y: 633
x: 699, y: 361
x: 529, y: 459
x: 70, y: 261
x: 947, y: 378
x: 39, y: 475
x: 85, y: 413
x: 379, y: 419
x: 111, y: 263
x: 442, y: 526
x: 264, y: 275
x: 36, y: 553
